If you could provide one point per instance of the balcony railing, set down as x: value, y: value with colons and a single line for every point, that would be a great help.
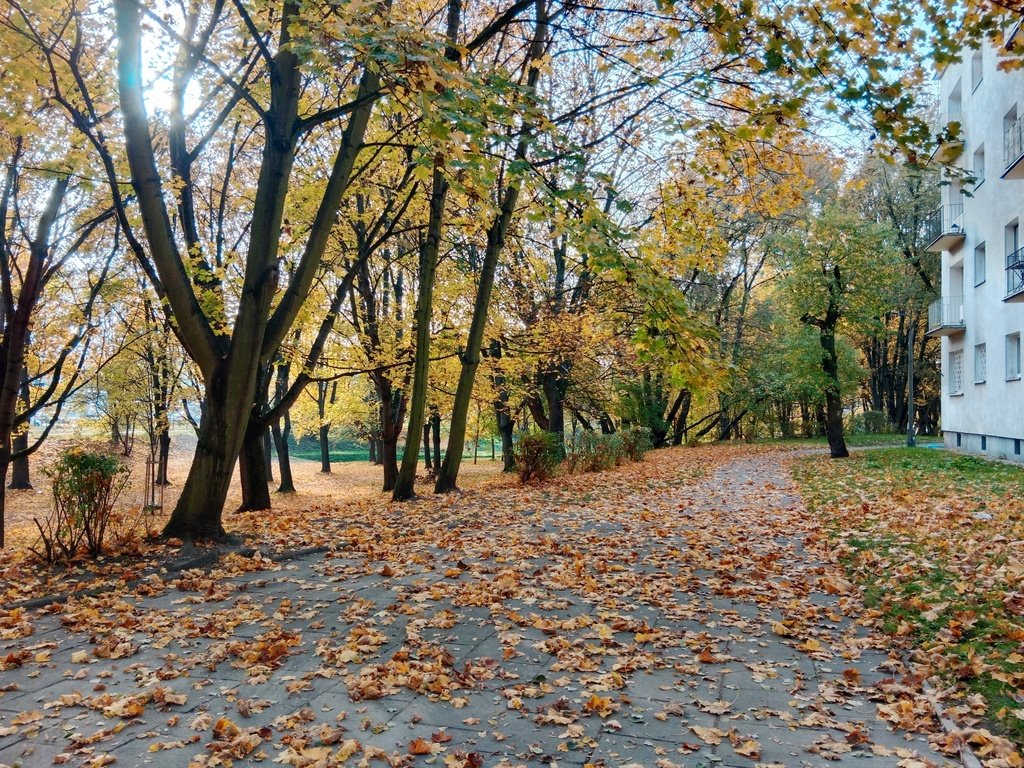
x: 943, y: 228
x: 946, y: 316
x: 1015, y: 274
x: 1013, y: 149
x: 948, y: 135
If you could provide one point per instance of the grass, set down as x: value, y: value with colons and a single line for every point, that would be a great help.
x: 346, y: 452
x: 856, y: 440
x: 932, y: 538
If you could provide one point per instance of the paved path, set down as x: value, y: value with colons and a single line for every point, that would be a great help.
x: 624, y: 627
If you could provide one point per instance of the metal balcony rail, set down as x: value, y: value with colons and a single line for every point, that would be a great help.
x: 948, y: 126
x: 1015, y: 272
x: 947, y: 312
x: 944, y: 220
x: 1013, y: 142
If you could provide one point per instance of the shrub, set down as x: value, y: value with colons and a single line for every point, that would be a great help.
x: 86, y: 485
x: 870, y: 423
x: 594, y: 452
x: 537, y: 456
x: 876, y: 422
x: 636, y: 442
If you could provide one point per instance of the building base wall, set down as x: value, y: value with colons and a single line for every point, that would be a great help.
x: 990, y: 446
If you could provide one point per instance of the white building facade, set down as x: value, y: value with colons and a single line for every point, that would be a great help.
x: 980, y: 316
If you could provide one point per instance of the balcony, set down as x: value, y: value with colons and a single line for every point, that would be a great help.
x: 946, y: 316
x: 948, y: 137
x: 943, y: 228
x: 1013, y: 149
x: 1015, y: 276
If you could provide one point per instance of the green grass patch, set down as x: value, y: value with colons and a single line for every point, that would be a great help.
x: 856, y: 440
x: 928, y: 536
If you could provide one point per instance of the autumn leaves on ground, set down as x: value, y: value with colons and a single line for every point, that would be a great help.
x: 698, y: 607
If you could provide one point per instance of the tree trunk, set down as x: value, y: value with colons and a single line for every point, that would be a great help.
x: 4, y: 466
x: 163, y: 457
x: 325, y: 428
x: 389, y: 460
x: 820, y: 418
x: 426, y: 447
x: 435, y: 436
x: 325, y: 449
x: 20, y: 480
x: 253, y: 474
x: 679, y: 429
x: 476, y: 436
x: 392, y: 413
x: 373, y: 450
x: 833, y: 400
x: 199, y: 511
x: 281, y: 435
x: 554, y: 384
x: 405, y: 485
x: 268, y: 458
x: 506, y: 428
x: 502, y: 412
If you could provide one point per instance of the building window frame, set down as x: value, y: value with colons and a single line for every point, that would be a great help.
x: 956, y: 373
x: 1013, y: 356
x: 977, y: 70
x: 980, y: 363
x: 980, y: 256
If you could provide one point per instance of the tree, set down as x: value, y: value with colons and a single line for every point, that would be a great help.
x: 835, y: 267
x: 54, y: 238
x: 899, y: 197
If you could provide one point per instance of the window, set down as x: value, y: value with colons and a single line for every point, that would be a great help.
x: 984, y: 443
x: 979, y: 166
x: 979, y: 264
x: 980, y: 363
x: 959, y: 439
x: 1012, y: 138
x: 976, y: 73
x: 953, y: 110
x: 1012, y: 234
x: 956, y: 372
x: 1016, y: 447
x: 1013, y: 356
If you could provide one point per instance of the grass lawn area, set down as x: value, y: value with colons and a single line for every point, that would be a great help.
x: 858, y: 440
x: 360, y: 452
x: 936, y: 542
x: 348, y: 451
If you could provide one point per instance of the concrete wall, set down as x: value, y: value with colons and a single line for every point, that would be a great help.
x: 993, y: 408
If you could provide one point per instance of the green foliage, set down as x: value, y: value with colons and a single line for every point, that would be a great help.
x: 596, y: 452
x: 837, y: 262
x: 537, y: 456
x: 85, y: 486
x: 636, y: 442
x: 641, y: 402
x: 789, y: 368
x: 870, y: 423
x: 593, y: 452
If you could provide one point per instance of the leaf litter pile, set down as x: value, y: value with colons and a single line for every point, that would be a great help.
x: 684, y: 611
x: 936, y: 543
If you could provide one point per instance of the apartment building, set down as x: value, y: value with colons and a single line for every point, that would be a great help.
x: 977, y: 231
